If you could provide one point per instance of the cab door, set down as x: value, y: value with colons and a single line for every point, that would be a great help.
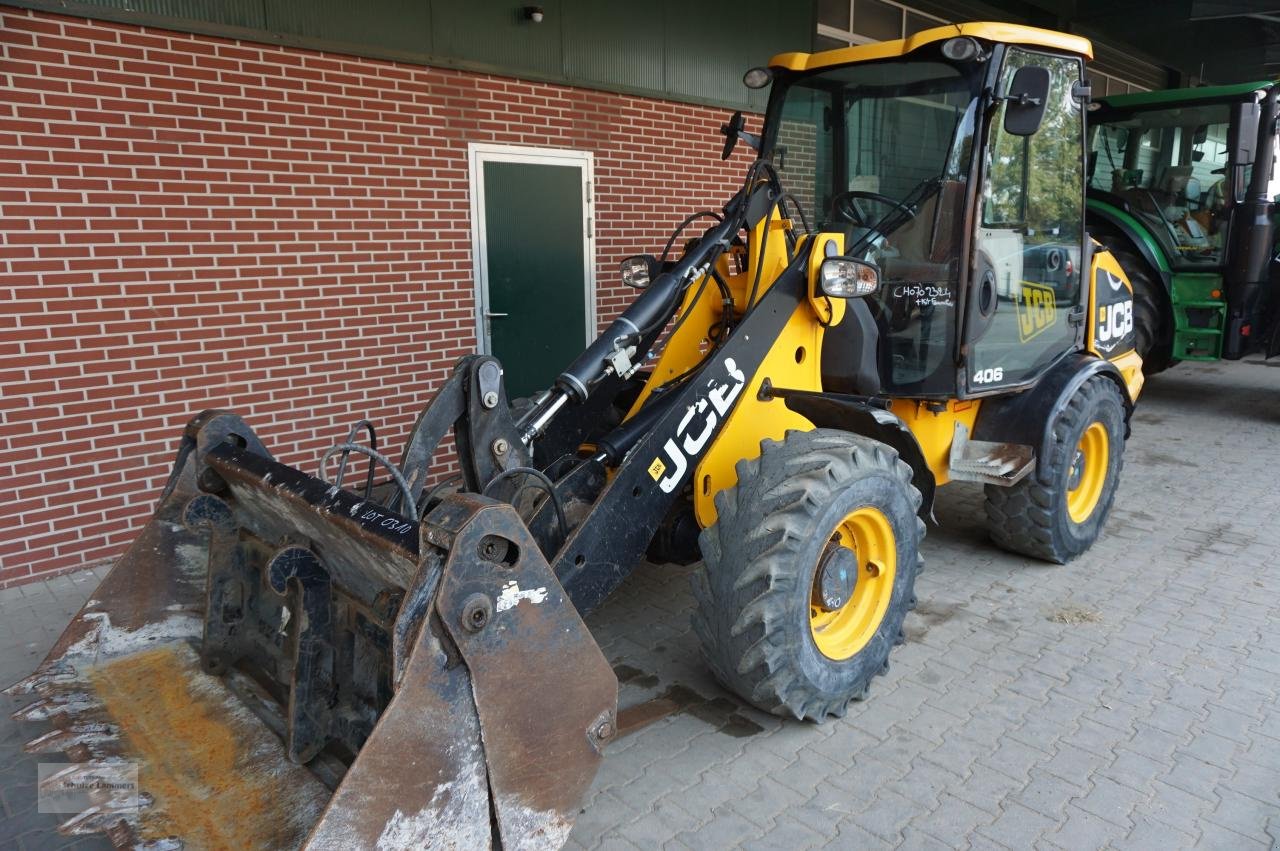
x: 1025, y: 305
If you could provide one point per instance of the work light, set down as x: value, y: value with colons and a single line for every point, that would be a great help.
x: 637, y: 271
x: 844, y: 277
x: 757, y: 78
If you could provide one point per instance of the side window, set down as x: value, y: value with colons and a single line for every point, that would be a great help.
x: 1170, y: 166
x: 1029, y: 236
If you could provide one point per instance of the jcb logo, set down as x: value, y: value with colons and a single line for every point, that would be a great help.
x: 1037, y: 310
x: 1115, y: 322
x: 696, y: 428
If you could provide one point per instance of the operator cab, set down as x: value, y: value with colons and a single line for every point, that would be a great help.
x: 980, y: 257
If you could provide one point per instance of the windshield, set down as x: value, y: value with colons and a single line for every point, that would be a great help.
x: 881, y: 151
x: 1170, y: 166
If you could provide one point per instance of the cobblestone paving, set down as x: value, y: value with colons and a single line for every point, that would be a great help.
x: 1127, y: 700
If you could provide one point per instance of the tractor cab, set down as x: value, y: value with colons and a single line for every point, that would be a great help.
x: 953, y: 161
x: 1181, y: 187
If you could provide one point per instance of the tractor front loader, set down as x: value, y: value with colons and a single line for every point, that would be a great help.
x: 902, y: 294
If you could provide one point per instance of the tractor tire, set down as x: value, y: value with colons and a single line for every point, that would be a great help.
x: 1058, y: 511
x: 1154, y: 339
x: 769, y: 614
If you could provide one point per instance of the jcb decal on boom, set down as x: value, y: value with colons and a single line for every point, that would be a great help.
x: 1113, y: 325
x: 707, y: 410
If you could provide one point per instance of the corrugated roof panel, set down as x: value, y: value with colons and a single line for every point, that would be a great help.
x: 234, y: 13
x: 498, y: 34
x: 608, y: 42
x: 704, y: 47
x: 401, y: 25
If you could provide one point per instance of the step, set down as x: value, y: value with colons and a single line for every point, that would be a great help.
x: 987, y: 461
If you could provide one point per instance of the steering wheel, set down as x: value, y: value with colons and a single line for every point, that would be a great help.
x: 846, y: 206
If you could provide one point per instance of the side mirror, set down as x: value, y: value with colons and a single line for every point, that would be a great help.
x: 845, y: 277
x: 1026, y: 100
x: 639, y: 271
x: 731, y: 131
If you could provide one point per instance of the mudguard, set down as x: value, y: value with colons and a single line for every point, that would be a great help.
x: 1028, y: 417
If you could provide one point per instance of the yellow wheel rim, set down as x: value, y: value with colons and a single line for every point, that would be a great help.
x: 1088, y: 472
x: 841, y: 632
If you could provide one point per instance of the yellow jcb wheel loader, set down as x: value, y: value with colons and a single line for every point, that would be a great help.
x: 902, y: 294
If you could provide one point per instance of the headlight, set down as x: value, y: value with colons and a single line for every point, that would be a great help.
x: 757, y: 78
x: 844, y: 277
x: 961, y: 49
x: 637, y: 271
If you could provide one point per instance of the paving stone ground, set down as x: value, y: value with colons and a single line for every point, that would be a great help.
x: 1126, y: 700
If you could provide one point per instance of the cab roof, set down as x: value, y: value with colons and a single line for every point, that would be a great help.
x: 1007, y: 33
x: 1172, y: 96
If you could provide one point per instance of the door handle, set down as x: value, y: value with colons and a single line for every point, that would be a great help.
x: 490, y: 315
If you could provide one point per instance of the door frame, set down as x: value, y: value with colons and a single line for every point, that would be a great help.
x: 480, y: 153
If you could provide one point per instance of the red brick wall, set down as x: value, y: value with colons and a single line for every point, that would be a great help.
x: 192, y: 222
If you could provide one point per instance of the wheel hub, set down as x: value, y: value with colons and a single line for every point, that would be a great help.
x: 837, y: 577
x: 1088, y: 474
x: 853, y: 583
x: 1077, y: 471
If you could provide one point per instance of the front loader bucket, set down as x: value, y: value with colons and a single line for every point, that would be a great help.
x: 287, y: 665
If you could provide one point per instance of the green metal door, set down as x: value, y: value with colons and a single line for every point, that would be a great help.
x: 534, y: 287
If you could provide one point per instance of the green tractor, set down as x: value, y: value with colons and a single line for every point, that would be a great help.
x: 1180, y: 189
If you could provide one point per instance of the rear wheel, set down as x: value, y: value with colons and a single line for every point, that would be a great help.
x: 809, y: 572
x: 1057, y: 512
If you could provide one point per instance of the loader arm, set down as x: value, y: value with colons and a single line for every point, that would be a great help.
x: 673, y: 432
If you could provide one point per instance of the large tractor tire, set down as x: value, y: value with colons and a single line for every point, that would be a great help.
x: 1057, y: 512
x: 1151, y: 328
x: 808, y: 572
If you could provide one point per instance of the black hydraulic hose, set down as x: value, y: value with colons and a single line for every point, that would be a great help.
x: 804, y: 222
x: 439, y: 488
x: 693, y: 302
x: 373, y: 464
x: 764, y: 236
x: 543, y: 481
x: 666, y: 249
x: 406, y: 492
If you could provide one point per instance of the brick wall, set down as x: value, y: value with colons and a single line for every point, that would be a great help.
x: 192, y: 222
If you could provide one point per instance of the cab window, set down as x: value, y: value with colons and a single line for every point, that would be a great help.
x: 1171, y: 168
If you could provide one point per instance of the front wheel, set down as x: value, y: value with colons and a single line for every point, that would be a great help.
x: 808, y: 572
x: 1058, y: 512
